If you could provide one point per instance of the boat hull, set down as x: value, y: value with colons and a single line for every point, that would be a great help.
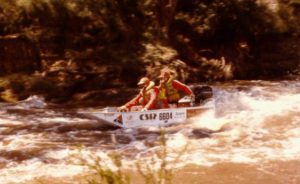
x: 160, y: 117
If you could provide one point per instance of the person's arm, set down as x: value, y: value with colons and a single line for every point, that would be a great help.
x: 133, y: 102
x: 152, y: 100
x: 129, y: 104
x: 182, y: 87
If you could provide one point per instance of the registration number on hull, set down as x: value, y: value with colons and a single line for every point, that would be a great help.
x: 153, y: 116
x: 165, y: 116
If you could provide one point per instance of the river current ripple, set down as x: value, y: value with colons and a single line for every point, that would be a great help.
x: 254, y: 125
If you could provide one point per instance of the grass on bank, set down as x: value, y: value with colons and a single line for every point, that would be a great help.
x: 156, y: 170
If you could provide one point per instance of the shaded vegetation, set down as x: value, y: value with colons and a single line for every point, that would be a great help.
x: 100, y: 44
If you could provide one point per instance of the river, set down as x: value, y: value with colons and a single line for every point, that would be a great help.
x: 252, y: 135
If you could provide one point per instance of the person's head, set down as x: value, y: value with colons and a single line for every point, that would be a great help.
x: 143, y: 82
x: 165, y: 75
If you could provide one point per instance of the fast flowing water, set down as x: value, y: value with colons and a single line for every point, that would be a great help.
x: 252, y: 135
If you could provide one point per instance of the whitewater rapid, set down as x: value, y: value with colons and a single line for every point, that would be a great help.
x: 252, y: 122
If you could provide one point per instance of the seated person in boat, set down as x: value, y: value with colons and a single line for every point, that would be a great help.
x: 147, y: 97
x: 172, y: 90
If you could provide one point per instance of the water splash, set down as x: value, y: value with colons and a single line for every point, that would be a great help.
x: 259, y: 123
x: 251, y: 122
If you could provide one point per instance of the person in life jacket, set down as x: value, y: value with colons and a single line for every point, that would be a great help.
x: 172, y: 90
x: 147, y: 97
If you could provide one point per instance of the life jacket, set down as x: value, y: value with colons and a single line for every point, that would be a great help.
x: 162, y: 94
x: 146, y: 94
x: 172, y: 94
x: 162, y: 100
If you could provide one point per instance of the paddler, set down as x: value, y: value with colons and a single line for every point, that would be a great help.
x: 147, y: 96
x: 172, y: 90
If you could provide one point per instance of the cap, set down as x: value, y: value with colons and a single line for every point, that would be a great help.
x: 143, y: 81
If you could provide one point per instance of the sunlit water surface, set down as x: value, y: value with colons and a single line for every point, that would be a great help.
x: 254, y: 125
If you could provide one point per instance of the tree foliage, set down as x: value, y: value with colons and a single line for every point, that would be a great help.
x: 106, y: 26
x: 80, y: 23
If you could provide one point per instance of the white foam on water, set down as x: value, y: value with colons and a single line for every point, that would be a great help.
x: 178, y: 141
x: 10, y: 121
x: 255, y: 125
x: 33, y: 101
x: 32, y: 169
x: 61, y: 120
x: 207, y: 120
x: 246, y: 138
x: 71, y: 162
x: 19, y: 142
